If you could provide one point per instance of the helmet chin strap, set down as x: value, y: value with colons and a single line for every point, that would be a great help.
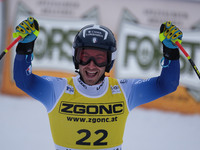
x: 100, y: 79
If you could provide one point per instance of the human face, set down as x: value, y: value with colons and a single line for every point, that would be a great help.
x: 92, y: 65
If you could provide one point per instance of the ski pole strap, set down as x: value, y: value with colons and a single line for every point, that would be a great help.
x: 28, y: 59
x: 162, y: 63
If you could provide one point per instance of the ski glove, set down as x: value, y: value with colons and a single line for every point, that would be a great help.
x: 28, y: 30
x: 169, y: 34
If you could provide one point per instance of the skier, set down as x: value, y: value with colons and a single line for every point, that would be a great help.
x: 89, y: 111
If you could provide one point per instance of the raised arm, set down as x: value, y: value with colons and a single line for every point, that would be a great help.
x: 35, y: 86
x: 144, y: 91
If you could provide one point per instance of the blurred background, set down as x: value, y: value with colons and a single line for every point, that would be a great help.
x: 171, y: 122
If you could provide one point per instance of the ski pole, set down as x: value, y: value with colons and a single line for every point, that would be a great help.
x: 189, y: 58
x: 10, y: 46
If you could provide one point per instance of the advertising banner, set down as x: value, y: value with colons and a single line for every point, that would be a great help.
x: 141, y: 53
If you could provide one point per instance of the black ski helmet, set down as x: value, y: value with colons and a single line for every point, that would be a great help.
x: 95, y: 36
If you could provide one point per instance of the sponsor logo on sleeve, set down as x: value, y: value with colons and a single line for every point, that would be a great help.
x: 29, y: 70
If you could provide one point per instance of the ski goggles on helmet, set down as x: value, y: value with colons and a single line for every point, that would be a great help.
x: 86, y: 55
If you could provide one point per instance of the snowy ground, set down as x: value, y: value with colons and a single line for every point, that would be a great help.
x: 24, y: 126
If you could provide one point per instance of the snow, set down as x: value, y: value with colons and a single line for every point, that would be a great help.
x: 24, y: 125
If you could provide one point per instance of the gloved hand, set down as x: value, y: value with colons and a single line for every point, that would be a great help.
x: 29, y: 30
x: 169, y: 34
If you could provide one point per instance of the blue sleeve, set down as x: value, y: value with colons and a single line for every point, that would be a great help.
x: 140, y: 91
x: 40, y: 88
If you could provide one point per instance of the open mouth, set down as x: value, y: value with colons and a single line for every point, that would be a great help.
x: 91, y: 74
